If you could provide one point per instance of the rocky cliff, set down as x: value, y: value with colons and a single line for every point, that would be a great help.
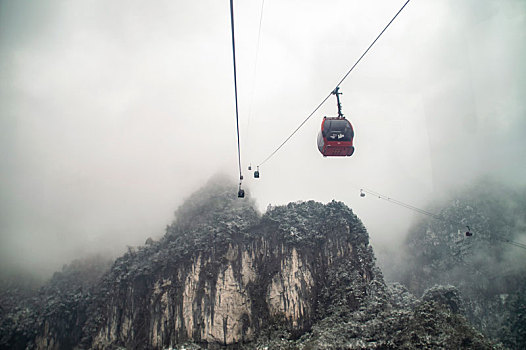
x: 299, y: 276
x: 223, y: 273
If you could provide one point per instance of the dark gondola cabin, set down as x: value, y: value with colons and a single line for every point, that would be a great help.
x: 336, y: 137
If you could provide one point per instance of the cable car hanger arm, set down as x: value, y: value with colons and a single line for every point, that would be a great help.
x: 338, y: 93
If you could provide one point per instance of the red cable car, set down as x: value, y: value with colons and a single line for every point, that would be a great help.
x: 336, y: 135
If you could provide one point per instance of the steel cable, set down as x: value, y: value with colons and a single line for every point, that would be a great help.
x: 338, y: 85
x: 235, y: 87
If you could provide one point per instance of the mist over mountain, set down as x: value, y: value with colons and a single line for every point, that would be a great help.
x: 299, y: 276
x: 488, y: 267
x: 101, y: 107
x: 113, y: 113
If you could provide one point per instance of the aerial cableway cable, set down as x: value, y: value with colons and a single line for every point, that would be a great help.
x: 247, y: 136
x: 241, y: 193
x: 337, y: 86
x: 405, y: 205
x: 516, y: 244
x: 438, y: 217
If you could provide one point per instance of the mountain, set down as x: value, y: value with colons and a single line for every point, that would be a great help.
x: 488, y: 268
x: 300, y: 276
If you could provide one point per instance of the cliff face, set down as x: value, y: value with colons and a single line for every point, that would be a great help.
x: 299, y: 276
x: 225, y: 287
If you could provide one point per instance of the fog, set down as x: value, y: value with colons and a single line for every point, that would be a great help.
x: 113, y: 112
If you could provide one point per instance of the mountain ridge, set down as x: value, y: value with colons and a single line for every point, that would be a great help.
x: 302, y: 275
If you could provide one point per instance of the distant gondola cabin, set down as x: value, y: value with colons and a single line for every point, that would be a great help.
x: 335, y: 138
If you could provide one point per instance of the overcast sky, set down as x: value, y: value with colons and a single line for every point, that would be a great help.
x: 112, y: 112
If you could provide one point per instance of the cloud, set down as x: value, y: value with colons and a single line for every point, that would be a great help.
x: 112, y: 113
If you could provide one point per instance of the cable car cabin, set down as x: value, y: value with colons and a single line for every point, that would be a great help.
x: 335, y: 137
